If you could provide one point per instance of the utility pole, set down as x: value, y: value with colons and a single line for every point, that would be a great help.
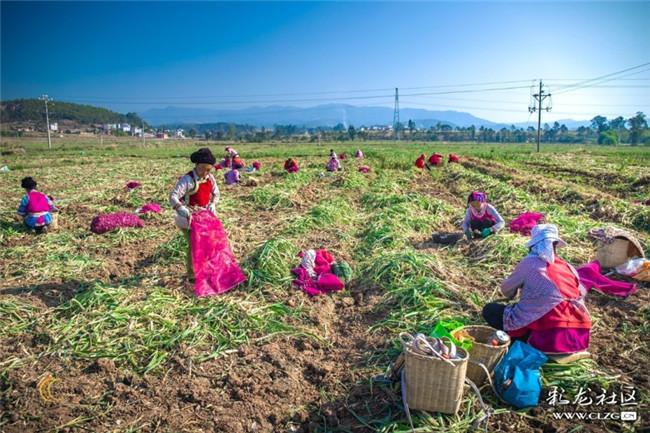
x: 396, y: 130
x: 46, y: 99
x: 143, y: 139
x: 539, y: 97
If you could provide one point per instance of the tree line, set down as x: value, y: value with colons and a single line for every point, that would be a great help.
x: 33, y: 111
x: 633, y: 131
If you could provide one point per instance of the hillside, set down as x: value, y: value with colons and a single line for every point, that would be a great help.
x: 33, y: 111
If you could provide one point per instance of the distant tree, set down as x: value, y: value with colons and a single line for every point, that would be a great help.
x: 411, y: 126
x: 352, y: 132
x: 599, y: 123
x: 192, y: 133
x: 232, y: 130
x: 339, y: 127
x: 609, y: 138
x: 617, y: 124
x: 637, y: 125
x: 134, y: 119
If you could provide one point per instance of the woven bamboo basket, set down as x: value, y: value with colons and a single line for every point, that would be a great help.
x: 481, y: 351
x: 55, y: 221
x: 433, y: 384
x: 615, y: 253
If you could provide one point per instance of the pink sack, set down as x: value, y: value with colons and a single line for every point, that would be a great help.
x: 149, y: 207
x: 108, y: 222
x: 215, y: 268
x: 525, y: 222
x: 591, y: 278
x: 364, y: 169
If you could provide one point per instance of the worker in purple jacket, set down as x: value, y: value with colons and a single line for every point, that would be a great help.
x: 481, y: 218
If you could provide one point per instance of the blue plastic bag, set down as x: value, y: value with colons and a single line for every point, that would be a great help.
x: 517, y: 377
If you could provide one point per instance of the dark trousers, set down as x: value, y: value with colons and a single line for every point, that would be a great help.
x: 493, y: 314
x: 480, y: 225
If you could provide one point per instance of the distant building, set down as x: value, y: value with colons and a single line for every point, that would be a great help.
x: 125, y: 127
x: 54, y: 126
x: 162, y: 135
x: 179, y: 133
x: 137, y: 131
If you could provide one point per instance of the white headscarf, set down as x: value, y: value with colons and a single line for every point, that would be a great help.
x: 543, y: 236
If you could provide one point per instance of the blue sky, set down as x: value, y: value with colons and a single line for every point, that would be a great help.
x: 132, y: 56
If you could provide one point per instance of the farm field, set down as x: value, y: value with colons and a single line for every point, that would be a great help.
x: 99, y: 332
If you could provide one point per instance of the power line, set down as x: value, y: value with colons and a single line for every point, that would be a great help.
x: 278, y: 101
x: 511, y: 102
x: 328, y: 92
x: 585, y: 83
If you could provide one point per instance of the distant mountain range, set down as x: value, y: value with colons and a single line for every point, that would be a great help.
x: 322, y: 115
x: 329, y: 115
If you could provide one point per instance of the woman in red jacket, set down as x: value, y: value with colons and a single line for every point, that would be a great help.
x: 435, y: 159
x: 419, y: 163
x: 291, y: 165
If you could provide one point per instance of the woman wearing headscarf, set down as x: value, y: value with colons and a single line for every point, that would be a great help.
x: 333, y: 164
x: 291, y: 165
x: 421, y: 161
x: 35, y: 208
x: 194, y: 191
x: 550, y: 314
x: 481, y: 218
x: 435, y: 159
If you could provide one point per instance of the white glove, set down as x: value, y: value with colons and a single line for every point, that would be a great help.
x: 184, y: 212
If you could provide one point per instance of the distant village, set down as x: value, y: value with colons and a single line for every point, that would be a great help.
x: 119, y: 129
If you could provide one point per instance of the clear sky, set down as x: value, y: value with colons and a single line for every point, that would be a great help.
x: 132, y: 56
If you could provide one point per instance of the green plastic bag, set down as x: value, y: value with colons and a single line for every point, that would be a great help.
x: 444, y: 328
x: 343, y: 271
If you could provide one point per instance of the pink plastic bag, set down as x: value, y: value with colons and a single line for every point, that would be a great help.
x: 215, y: 268
x: 525, y: 222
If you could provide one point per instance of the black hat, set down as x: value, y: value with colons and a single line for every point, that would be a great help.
x: 28, y: 183
x: 203, y: 156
